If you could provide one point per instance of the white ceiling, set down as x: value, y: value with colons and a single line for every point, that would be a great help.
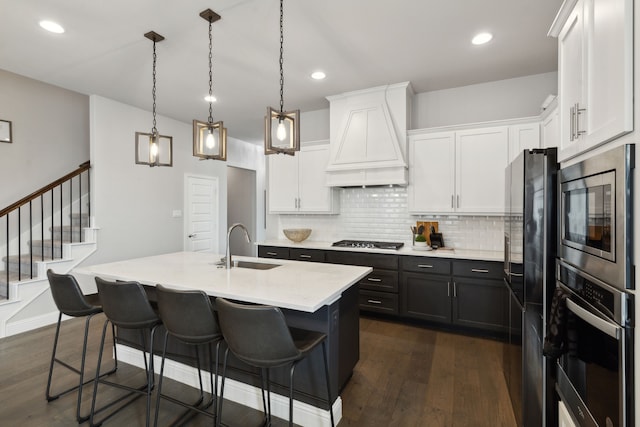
x: 358, y: 43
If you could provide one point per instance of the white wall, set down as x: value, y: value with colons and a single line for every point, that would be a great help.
x: 133, y: 204
x: 50, y: 133
x: 499, y: 100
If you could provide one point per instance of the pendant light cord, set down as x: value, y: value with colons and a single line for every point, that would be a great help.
x: 281, y: 60
x: 154, y: 131
x: 210, y: 72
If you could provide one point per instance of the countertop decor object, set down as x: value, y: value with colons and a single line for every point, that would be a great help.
x: 297, y: 234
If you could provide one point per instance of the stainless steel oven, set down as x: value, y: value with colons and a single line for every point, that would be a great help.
x: 595, y: 373
x: 596, y: 233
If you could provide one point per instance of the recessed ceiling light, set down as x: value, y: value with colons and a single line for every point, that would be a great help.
x: 52, y: 27
x: 318, y: 75
x: 482, y: 38
x: 210, y: 99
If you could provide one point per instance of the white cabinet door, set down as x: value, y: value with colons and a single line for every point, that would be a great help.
x: 481, y: 158
x: 431, y: 172
x: 523, y: 137
x: 609, y: 90
x: 595, y: 74
x: 564, y: 418
x: 551, y: 130
x: 314, y: 195
x: 283, y: 183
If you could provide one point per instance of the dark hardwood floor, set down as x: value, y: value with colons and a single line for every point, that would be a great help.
x: 407, y: 376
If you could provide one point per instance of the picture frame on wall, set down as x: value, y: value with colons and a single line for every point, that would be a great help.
x: 5, y: 131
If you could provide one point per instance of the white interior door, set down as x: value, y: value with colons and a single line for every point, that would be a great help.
x: 201, y: 214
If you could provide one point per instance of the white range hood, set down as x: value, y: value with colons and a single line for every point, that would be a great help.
x: 368, y: 136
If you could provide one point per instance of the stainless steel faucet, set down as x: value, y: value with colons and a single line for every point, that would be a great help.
x: 227, y: 261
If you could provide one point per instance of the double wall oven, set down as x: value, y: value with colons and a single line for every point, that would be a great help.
x: 595, y: 270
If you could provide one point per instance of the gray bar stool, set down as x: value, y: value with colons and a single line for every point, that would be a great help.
x: 72, y: 302
x: 189, y: 317
x: 258, y: 335
x: 126, y: 306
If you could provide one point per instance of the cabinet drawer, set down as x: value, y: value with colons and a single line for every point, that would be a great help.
x: 426, y: 265
x: 381, y: 280
x: 381, y: 302
x: 273, y: 252
x: 478, y: 269
x: 384, y: 261
x: 312, y: 255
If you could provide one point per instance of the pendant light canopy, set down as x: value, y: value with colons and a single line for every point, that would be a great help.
x: 152, y: 148
x: 209, y: 138
x: 282, y: 128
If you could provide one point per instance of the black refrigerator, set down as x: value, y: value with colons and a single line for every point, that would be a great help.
x: 530, y: 242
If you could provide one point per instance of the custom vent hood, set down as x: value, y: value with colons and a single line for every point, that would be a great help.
x: 368, y: 135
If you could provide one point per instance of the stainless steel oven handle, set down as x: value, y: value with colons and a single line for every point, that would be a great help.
x: 611, y: 329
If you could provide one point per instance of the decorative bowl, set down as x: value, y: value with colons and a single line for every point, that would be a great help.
x: 297, y: 234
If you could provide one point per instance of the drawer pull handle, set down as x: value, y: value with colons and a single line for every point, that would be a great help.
x: 373, y: 301
x: 479, y: 270
x: 305, y: 256
x: 374, y: 279
x: 272, y: 253
x: 425, y: 266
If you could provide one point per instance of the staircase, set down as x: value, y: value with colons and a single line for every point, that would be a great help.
x: 58, y: 238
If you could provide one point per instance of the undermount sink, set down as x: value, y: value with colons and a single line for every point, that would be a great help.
x: 255, y: 265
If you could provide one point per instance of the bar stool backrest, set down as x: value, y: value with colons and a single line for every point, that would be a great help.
x: 126, y: 304
x: 188, y: 315
x: 68, y: 296
x: 256, y: 334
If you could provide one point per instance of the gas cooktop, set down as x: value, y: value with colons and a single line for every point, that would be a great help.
x: 367, y: 244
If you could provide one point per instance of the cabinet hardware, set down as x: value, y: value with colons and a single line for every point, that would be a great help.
x: 479, y: 270
x: 373, y: 301
x: 516, y: 274
x: 305, y: 256
x: 571, y: 124
x: 193, y: 235
x: 458, y: 201
x: 448, y: 289
x: 455, y: 290
x: 425, y: 266
x: 452, y: 202
x: 578, y: 112
x: 272, y: 253
x: 374, y: 279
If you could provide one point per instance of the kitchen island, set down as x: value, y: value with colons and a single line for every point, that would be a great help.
x: 321, y: 297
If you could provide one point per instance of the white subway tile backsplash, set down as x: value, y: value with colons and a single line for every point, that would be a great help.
x: 381, y: 213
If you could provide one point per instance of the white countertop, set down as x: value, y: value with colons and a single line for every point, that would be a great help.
x: 405, y: 250
x: 296, y: 285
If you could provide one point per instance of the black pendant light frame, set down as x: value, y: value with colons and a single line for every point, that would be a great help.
x: 216, y: 146
x: 287, y: 121
x: 151, y: 146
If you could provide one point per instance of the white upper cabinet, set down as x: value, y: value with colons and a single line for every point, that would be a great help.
x: 297, y: 183
x: 595, y: 72
x: 523, y: 137
x: 458, y: 171
x: 432, y: 172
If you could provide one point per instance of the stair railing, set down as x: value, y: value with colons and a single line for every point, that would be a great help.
x: 46, y: 205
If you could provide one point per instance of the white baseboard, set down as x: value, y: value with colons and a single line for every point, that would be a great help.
x: 239, y: 392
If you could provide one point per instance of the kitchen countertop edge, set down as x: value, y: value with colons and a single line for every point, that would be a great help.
x: 407, y: 250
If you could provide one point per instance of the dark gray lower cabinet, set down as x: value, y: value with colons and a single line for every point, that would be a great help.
x: 472, y: 302
x: 453, y: 292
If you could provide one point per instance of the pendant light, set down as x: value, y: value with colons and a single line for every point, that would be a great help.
x: 209, y: 138
x: 282, y: 128
x: 152, y: 148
